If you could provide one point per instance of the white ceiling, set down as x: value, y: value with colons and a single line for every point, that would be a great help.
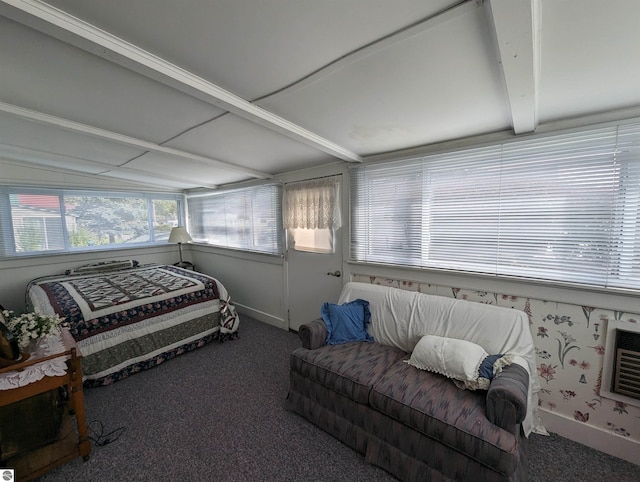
x: 202, y: 93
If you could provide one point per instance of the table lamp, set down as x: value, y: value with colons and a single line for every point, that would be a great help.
x: 179, y: 235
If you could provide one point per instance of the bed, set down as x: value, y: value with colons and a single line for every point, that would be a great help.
x: 127, y: 318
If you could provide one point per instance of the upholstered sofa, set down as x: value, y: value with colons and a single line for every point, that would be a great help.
x: 415, y: 423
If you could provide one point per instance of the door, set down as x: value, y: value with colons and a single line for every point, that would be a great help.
x: 313, y: 278
x: 314, y: 246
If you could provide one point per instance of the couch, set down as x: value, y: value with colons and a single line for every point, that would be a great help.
x: 414, y: 422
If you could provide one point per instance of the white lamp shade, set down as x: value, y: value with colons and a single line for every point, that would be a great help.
x: 179, y: 235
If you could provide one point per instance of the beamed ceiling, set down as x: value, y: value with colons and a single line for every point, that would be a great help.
x: 202, y: 93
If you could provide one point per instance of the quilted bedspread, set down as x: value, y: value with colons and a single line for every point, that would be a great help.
x: 128, y: 320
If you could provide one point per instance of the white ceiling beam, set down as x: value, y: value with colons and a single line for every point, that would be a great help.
x: 59, y: 24
x: 85, y: 129
x: 89, y: 167
x: 517, y: 34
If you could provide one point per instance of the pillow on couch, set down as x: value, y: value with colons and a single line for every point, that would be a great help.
x: 346, y: 322
x: 467, y: 364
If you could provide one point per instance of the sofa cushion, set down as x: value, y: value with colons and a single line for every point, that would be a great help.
x: 433, y: 405
x: 350, y: 369
x: 346, y: 322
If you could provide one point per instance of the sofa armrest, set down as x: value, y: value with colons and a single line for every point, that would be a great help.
x: 507, y: 398
x: 313, y: 334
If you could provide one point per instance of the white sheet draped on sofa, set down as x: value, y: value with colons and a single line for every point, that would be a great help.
x: 496, y: 329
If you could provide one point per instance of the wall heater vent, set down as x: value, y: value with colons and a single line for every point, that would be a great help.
x: 626, y: 377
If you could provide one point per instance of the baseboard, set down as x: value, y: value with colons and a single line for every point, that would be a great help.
x: 261, y: 316
x: 590, y: 436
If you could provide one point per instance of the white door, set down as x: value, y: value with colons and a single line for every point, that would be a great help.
x: 314, y: 269
x: 313, y: 278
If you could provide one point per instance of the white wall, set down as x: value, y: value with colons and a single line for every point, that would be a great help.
x: 254, y: 281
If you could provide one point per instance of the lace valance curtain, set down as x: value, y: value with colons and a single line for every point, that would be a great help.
x: 313, y: 204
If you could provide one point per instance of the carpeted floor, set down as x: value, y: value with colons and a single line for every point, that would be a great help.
x: 217, y: 414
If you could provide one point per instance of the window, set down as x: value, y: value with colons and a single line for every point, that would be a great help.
x: 562, y: 208
x: 36, y: 221
x: 312, y: 214
x: 246, y: 218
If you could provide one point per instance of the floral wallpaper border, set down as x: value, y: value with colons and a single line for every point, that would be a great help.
x: 570, y: 349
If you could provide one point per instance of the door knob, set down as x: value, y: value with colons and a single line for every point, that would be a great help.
x: 336, y: 273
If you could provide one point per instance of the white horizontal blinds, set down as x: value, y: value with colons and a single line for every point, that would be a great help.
x: 198, y: 216
x: 562, y: 207
x: 34, y: 222
x: 558, y: 198
x: 237, y: 218
x: 246, y: 218
x: 625, y: 265
x: 462, y: 200
x: 387, y: 212
x: 267, y: 219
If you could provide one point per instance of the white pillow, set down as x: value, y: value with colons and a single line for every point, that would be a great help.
x: 103, y: 266
x: 456, y: 359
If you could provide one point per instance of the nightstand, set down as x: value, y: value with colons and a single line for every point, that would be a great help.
x: 65, y: 428
x: 185, y: 265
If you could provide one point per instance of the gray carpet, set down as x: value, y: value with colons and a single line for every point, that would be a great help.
x: 217, y: 414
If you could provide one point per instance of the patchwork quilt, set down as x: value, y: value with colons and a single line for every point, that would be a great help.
x: 125, y: 321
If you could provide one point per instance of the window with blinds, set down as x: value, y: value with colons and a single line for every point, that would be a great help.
x: 246, y: 218
x: 561, y: 208
x: 45, y: 221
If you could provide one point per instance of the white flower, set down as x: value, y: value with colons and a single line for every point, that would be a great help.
x: 31, y: 326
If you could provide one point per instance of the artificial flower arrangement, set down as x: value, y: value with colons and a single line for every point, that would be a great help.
x: 32, y: 326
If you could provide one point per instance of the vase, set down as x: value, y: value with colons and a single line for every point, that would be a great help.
x: 36, y: 347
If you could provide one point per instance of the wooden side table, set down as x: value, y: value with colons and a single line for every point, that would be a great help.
x: 73, y: 441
